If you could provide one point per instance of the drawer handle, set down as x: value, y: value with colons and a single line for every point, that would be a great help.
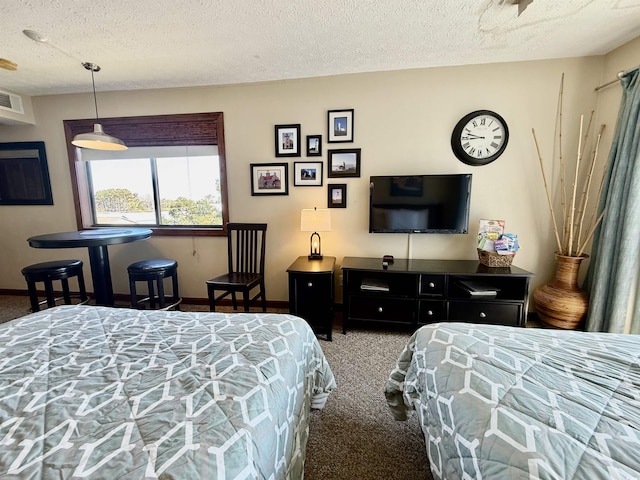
x: 483, y: 315
x: 379, y: 309
x: 432, y: 285
x: 310, y: 284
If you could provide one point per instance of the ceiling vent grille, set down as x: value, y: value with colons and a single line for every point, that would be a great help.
x: 11, y: 102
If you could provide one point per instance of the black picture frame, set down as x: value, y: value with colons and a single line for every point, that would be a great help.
x: 287, y: 140
x: 263, y: 183
x: 24, y: 174
x: 340, y: 125
x: 337, y: 195
x: 314, y: 145
x: 344, y: 162
x: 307, y: 174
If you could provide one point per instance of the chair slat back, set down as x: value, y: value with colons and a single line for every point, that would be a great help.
x: 246, y: 244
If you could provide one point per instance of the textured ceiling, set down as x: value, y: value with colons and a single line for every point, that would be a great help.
x: 167, y: 43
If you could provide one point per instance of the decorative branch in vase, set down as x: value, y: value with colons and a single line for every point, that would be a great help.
x: 561, y: 303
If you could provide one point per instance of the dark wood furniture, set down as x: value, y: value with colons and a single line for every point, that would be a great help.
x: 311, y: 293
x: 96, y: 241
x: 153, y: 272
x: 47, y: 273
x: 417, y: 292
x: 245, y: 249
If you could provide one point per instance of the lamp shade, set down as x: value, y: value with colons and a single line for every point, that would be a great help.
x: 98, y: 140
x: 315, y: 220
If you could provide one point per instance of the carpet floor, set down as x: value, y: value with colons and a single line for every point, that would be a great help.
x: 354, y: 436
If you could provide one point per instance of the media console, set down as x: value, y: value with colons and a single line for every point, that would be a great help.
x: 417, y: 292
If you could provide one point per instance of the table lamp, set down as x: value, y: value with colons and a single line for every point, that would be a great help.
x: 315, y: 220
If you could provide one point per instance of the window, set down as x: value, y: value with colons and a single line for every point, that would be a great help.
x: 171, y: 179
x: 155, y: 186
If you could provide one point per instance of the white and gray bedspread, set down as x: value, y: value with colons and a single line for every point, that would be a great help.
x: 500, y: 402
x: 97, y: 392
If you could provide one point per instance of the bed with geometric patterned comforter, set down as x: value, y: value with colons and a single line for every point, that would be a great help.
x: 500, y: 402
x: 98, y: 392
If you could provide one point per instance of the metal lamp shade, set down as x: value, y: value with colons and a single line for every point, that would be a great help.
x: 98, y: 140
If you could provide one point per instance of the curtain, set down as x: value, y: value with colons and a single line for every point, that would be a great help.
x: 614, y: 269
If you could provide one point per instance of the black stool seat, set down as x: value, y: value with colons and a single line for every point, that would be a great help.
x: 47, y: 272
x: 154, y: 272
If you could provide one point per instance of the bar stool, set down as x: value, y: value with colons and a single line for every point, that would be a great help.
x: 154, y: 271
x: 47, y: 272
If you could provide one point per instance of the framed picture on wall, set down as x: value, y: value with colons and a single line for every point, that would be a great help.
x: 314, y: 145
x: 287, y: 139
x: 344, y: 163
x: 337, y: 195
x: 340, y: 126
x: 269, y: 179
x: 307, y: 174
x: 24, y: 174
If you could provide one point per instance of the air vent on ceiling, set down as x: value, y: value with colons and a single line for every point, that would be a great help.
x: 11, y: 102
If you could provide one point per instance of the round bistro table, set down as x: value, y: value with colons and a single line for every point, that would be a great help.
x: 97, y: 241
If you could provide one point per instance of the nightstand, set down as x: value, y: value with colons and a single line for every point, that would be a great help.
x: 311, y: 292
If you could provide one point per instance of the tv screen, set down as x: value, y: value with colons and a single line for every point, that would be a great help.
x: 419, y: 203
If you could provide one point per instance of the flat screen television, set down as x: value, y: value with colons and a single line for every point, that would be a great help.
x: 419, y: 203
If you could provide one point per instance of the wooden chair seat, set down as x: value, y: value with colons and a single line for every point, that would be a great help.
x: 237, y: 279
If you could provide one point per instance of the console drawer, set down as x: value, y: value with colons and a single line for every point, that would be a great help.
x: 485, y: 312
x: 432, y: 284
x: 431, y: 311
x: 395, y: 310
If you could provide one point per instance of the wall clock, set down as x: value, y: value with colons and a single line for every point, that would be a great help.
x: 479, y: 137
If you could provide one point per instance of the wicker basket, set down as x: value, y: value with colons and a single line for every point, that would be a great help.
x: 493, y: 259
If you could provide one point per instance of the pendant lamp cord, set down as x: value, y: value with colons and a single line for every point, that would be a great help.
x: 95, y: 99
x: 93, y: 68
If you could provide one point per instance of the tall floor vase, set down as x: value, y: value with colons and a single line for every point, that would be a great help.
x: 561, y: 303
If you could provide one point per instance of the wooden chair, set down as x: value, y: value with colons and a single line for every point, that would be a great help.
x: 246, y: 248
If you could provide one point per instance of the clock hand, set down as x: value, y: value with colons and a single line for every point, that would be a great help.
x: 474, y: 137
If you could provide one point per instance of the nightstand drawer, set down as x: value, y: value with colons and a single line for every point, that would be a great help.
x: 312, y: 290
x: 485, y: 312
x: 382, y: 309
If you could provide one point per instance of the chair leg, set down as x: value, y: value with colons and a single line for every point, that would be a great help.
x: 176, y: 295
x: 160, y: 282
x: 82, y: 288
x: 48, y: 288
x: 245, y: 299
x: 234, y: 300
x: 132, y: 292
x: 66, y: 295
x: 152, y: 299
x: 33, y: 296
x: 212, y: 298
x: 264, y: 297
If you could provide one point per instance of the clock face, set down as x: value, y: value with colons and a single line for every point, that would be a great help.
x: 479, y: 137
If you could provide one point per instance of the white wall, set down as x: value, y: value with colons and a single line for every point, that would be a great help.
x: 403, y: 122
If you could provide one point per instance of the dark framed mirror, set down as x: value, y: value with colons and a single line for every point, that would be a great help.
x: 24, y: 174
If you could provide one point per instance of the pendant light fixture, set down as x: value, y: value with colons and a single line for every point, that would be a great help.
x: 98, y: 139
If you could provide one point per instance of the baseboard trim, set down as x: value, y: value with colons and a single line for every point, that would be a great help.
x: 122, y: 298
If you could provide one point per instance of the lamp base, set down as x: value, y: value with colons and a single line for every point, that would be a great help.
x: 315, y: 256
